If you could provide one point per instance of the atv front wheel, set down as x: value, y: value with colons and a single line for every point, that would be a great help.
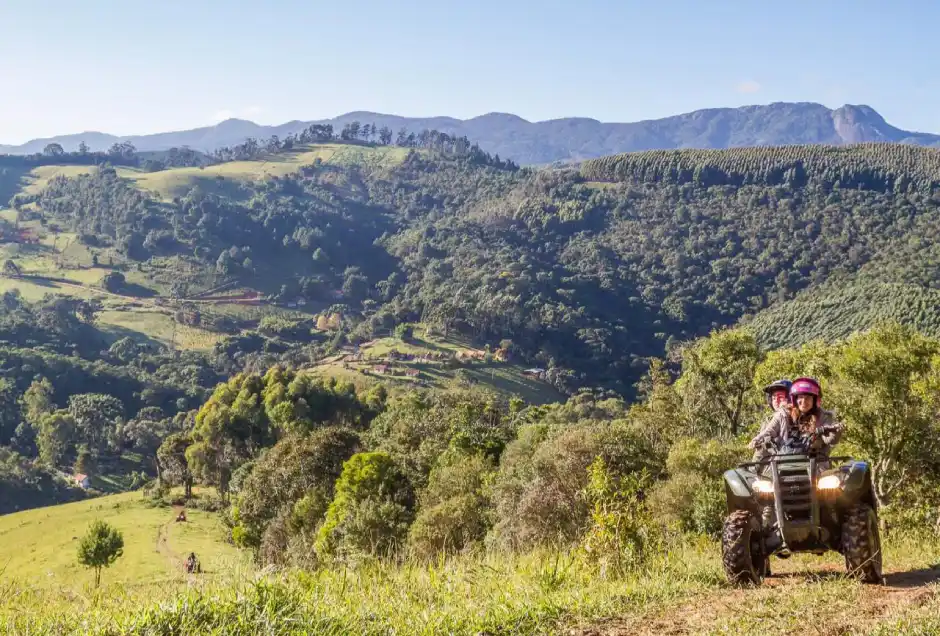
x: 861, y: 543
x: 742, y: 552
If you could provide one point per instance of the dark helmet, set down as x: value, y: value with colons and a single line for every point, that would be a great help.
x: 776, y: 385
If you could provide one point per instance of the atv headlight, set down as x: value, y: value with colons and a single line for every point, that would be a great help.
x: 829, y: 482
x: 763, y: 486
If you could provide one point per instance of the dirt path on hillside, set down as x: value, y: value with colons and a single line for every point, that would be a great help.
x: 239, y: 299
x: 716, y: 612
x: 163, y: 545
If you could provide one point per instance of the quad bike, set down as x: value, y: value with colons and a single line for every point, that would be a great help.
x: 797, y: 500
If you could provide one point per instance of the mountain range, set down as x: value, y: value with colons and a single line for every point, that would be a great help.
x: 562, y: 140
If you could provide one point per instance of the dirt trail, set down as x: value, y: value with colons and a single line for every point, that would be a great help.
x: 716, y: 612
x: 163, y: 545
x: 253, y: 298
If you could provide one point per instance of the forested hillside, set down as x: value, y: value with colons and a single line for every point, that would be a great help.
x: 583, y: 274
x: 588, y: 272
x: 357, y: 298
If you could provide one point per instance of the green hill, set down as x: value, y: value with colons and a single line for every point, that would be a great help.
x: 166, y: 184
x: 589, y: 271
x: 835, y: 311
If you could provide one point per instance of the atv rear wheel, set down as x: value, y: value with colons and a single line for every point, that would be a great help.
x: 861, y: 543
x: 742, y: 552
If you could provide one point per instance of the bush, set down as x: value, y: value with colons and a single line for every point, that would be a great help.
x: 304, y: 469
x: 419, y: 428
x: 539, y: 489
x: 693, y: 498
x: 371, y: 510
x: 404, y: 332
x: 621, y: 529
x: 454, y: 509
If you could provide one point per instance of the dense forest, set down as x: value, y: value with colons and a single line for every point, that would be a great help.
x: 590, y: 272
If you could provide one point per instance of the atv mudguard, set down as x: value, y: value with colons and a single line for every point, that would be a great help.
x: 856, y: 485
x: 738, y: 490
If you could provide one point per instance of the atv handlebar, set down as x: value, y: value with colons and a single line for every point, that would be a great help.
x: 810, y: 437
x: 784, y: 458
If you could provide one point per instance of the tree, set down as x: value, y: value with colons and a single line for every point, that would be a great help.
x: 172, y: 462
x: 371, y: 509
x: 10, y: 268
x: 53, y: 150
x: 717, y: 374
x: 885, y: 389
x: 113, y: 282
x: 404, y: 332
x: 84, y: 462
x: 56, y: 431
x: 82, y: 148
x: 385, y: 135
x: 96, y: 416
x: 101, y: 546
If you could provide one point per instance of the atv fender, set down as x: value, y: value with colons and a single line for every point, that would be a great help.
x: 738, y: 490
x: 856, y: 485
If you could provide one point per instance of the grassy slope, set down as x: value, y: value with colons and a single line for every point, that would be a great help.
x: 38, y: 547
x: 167, y: 184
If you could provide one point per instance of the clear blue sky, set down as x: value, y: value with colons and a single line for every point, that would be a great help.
x: 135, y: 66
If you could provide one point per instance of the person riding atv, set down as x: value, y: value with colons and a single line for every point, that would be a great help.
x: 777, y: 395
x: 815, y: 502
x: 192, y: 564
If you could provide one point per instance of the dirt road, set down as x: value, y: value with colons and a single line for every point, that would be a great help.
x: 796, y: 600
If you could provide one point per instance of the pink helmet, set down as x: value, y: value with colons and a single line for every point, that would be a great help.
x: 805, y: 386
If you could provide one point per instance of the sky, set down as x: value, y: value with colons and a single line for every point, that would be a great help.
x: 138, y: 67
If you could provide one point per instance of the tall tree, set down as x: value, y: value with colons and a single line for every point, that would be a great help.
x: 717, y: 373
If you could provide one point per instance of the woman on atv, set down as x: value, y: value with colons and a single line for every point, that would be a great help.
x: 804, y: 419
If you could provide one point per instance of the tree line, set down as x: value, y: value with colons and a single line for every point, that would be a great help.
x: 364, y: 475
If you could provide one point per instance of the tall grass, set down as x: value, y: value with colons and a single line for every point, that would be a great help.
x: 541, y: 592
x: 471, y: 594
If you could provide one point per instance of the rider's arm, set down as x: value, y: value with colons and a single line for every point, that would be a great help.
x: 835, y: 429
x: 771, y: 430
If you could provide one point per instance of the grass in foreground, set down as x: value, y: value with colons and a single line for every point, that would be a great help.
x: 680, y: 591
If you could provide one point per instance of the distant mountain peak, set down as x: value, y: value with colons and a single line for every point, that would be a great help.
x: 501, y: 117
x: 860, y: 123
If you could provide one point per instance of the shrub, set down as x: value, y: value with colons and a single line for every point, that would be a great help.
x: 454, y: 508
x: 621, y: 529
x: 539, y: 489
x: 296, y: 471
x: 693, y: 498
x: 371, y: 510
